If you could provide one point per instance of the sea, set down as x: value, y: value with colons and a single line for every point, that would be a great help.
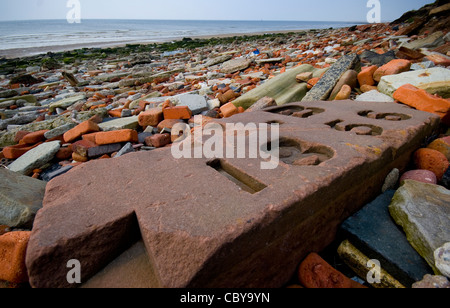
x: 49, y: 34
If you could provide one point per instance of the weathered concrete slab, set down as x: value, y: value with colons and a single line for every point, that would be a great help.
x: 226, y: 222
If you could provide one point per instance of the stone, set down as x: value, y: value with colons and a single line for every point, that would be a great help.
x: 229, y: 110
x: 127, y: 148
x: 35, y: 158
x: 394, y: 67
x: 235, y: 65
x: 446, y: 179
x: 391, y: 180
x: 358, y: 262
x: 373, y: 232
x: 422, y: 66
x: 365, y: 77
x: 20, y: 199
x: 158, y: 140
x: 409, y: 54
x: 59, y: 131
x: 47, y: 176
x: 424, y: 176
x: 349, y: 79
x: 117, y: 136
x: 196, y: 103
x: 431, y: 160
x: 217, y: 60
x: 316, y: 273
x: 442, y: 259
x: 420, y: 43
x: 442, y: 145
x: 432, y: 282
x: 326, y: 84
x: 151, y: 117
x: 374, y: 96
x: 261, y: 104
x: 103, y: 149
x: 374, y: 58
x: 434, y: 80
x: 422, y: 211
x: 422, y: 100
x: 191, y: 232
x: 66, y: 102
x: 70, y: 78
x: 283, y: 88
x: 177, y: 112
x: 75, y: 133
x: 304, y: 77
x: 344, y: 93
x: 13, y: 247
x: 438, y: 59
x: 119, y: 124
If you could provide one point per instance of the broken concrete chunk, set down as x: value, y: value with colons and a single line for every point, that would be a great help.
x: 235, y: 65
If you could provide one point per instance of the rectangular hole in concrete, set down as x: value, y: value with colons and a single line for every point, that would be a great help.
x: 241, y: 179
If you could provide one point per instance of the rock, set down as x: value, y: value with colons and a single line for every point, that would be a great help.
x: 442, y: 145
x: 422, y: 100
x: 432, y: 282
x: 47, y: 175
x: 372, y: 231
x: 264, y: 102
x: 196, y: 103
x: 350, y: 79
x: 446, y: 179
x: 374, y: 96
x: 423, y: 212
x: 35, y: 158
x: 118, y: 124
x: 116, y: 136
x: 283, y: 88
x: 438, y: 59
x: 424, y: 176
x: 177, y: 112
x: 66, y: 102
x: 365, y: 77
x: 394, y: 67
x: 391, y: 180
x: 422, y: 66
x: 235, y: 65
x: 59, y: 131
x: 70, y: 78
x: 432, y: 160
x: 374, y: 58
x: 442, y: 259
x: 13, y: 246
x: 304, y: 77
x: 20, y: 199
x: 217, y: 60
x: 358, y: 262
x: 103, y: 149
x: 316, y: 273
x: 326, y: 84
x: 79, y: 130
x: 429, y: 40
x: 127, y: 148
x: 409, y: 54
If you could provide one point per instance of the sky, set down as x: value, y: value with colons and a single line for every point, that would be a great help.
x: 297, y: 10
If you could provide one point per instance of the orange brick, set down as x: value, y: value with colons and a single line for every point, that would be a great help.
x: 150, y: 117
x: 424, y: 101
x: 396, y: 66
x: 64, y: 153
x: 229, y: 110
x: 15, y: 151
x: 177, y: 112
x: 116, y: 113
x: 344, y: 93
x: 79, y: 130
x: 117, y: 136
x: 35, y: 137
x: 366, y: 75
x: 90, y: 137
x: 312, y: 82
x: 13, y: 247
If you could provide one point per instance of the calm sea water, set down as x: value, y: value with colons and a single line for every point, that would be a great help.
x: 31, y: 34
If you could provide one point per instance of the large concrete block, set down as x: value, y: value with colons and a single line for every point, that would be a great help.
x: 225, y: 222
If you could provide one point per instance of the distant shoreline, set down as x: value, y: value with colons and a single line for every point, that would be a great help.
x: 35, y: 51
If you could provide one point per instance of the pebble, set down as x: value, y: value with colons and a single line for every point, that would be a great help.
x: 424, y: 176
x: 431, y: 160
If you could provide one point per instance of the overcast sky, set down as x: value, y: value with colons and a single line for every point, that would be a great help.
x: 299, y: 10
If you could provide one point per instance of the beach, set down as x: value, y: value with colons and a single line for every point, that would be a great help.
x: 269, y: 159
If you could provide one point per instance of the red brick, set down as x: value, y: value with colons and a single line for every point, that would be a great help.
x: 90, y: 137
x: 35, y: 137
x: 396, y: 66
x: 81, y: 147
x: 151, y: 117
x: 366, y: 75
x: 227, y: 96
x: 312, y: 82
x: 158, y: 140
x: 431, y: 160
x: 169, y: 123
x: 15, y: 151
x: 19, y: 135
x: 314, y: 272
x: 229, y: 110
x: 424, y: 101
x: 117, y: 136
x: 64, y: 153
x: 13, y: 247
x: 81, y: 129
x: 177, y: 112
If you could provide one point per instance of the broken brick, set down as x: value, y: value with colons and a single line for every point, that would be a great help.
x: 81, y: 129
x: 366, y: 76
x: 393, y: 67
x: 13, y: 247
x: 150, y: 117
x: 116, y: 136
x: 177, y: 112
